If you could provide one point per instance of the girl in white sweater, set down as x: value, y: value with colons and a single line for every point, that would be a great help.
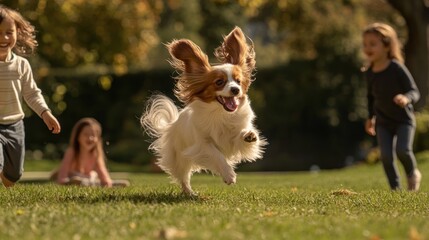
x: 17, y: 37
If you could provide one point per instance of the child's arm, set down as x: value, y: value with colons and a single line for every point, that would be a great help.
x: 63, y: 172
x: 103, y: 174
x: 51, y: 122
x: 370, y: 126
x: 401, y: 100
x: 411, y: 93
x: 34, y: 98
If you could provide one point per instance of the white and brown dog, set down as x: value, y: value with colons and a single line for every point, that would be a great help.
x: 214, y: 131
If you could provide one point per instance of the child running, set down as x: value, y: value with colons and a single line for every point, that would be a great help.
x: 17, y: 37
x: 391, y: 93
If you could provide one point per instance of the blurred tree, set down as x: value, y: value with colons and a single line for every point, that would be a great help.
x: 318, y: 95
x: 416, y: 15
x: 308, y: 86
x: 204, y: 22
x: 179, y: 19
x: 221, y: 17
x: 76, y: 33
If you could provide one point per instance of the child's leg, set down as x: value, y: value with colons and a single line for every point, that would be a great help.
x: 404, y: 151
x: 78, y: 179
x: 93, y: 179
x: 13, y: 144
x: 404, y: 147
x: 2, y: 141
x: 385, y: 141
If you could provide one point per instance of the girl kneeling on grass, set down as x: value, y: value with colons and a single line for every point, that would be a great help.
x: 391, y: 93
x: 84, y: 160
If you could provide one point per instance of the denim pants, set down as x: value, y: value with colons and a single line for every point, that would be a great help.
x: 12, y: 150
x: 396, y: 139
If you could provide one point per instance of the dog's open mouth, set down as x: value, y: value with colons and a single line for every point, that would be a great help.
x: 230, y: 104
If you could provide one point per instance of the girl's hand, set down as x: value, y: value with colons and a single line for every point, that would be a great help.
x: 401, y: 100
x: 51, y: 122
x: 370, y: 126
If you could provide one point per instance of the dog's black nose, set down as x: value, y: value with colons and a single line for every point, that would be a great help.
x: 235, y: 90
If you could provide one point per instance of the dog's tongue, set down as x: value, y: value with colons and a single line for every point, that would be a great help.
x: 230, y: 103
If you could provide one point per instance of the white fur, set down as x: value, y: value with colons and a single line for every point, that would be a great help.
x: 227, y: 69
x: 201, y: 136
x: 205, y: 135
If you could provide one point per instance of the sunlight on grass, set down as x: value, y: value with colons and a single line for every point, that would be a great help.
x: 353, y: 203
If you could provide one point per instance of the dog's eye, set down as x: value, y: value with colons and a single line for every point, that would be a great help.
x: 219, y: 82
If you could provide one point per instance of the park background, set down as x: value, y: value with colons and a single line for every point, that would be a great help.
x: 103, y: 59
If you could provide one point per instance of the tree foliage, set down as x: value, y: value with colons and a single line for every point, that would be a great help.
x: 75, y: 33
x: 416, y: 16
x: 308, y: 91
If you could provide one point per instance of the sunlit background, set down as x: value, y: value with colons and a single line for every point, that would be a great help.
x: 103, y: 59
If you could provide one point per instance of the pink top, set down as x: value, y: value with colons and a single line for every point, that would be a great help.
x: 88, y: 162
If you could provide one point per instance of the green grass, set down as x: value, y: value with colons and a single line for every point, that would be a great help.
x: 353, y: 203
x: 49, y: 165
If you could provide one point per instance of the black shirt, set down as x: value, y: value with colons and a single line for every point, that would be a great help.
x: 383, y: 87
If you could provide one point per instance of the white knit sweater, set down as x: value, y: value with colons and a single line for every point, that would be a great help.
x: 17, y: 83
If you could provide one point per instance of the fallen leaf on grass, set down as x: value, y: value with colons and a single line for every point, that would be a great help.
x: 375, y: 237
x: 341, y: 192
x: 268, y: 214
x: 19, y: 212
x: 414, y: 234
x: 171, y: 233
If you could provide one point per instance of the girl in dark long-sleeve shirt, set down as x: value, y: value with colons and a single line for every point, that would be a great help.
x: 383, y: 86
x: 391, y: 93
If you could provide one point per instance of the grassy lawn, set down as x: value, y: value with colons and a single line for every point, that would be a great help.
x: 353, y: 203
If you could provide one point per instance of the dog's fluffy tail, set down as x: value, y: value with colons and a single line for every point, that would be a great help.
x: 160, y: 112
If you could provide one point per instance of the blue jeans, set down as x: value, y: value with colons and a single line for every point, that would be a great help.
x: 401, y: 138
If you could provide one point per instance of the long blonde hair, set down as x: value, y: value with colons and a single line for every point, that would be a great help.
x: 74, y: 139
x: 388, y: 37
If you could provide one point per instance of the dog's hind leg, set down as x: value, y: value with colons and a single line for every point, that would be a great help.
x: 182, y: 174
x: 185, y: 182
x: 186, y: 189
x: 179, y: 170
x: 214, y: 161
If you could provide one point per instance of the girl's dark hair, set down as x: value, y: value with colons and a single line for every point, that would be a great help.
x: 26, y: 37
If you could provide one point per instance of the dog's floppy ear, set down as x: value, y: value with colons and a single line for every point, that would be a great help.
x: 235, y: 50
x: 192, y: 59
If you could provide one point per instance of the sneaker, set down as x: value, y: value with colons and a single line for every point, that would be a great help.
x: 6, y: 182
x: 414, y: 180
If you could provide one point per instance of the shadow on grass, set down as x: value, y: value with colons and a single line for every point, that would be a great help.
x: 147, y: 198
x: 35, y: 181
x: 91, y: 195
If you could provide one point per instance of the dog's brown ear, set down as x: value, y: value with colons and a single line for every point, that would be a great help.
x: 235, y: 50
x: 192, y: 59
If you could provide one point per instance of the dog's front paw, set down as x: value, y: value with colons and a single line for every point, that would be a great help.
x: 230, y: 177
x: 230, y: 180
x: 250, y: 136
